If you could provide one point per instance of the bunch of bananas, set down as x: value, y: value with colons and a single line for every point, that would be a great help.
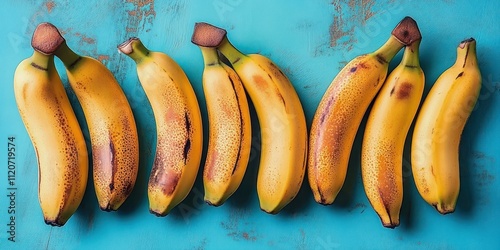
x: 57, y: 137
x: 281, y: 118
x: 396, y: 100
x: 286, y: 151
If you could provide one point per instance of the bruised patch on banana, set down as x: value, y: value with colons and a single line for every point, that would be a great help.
x: 166, y: 180
x: 170, y: 184
x: 161, y: 176
x: 214, y: 155
x: 402, y: 91
x: 263, y: 84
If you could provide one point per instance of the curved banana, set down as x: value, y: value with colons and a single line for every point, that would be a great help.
x: 230, y: 133
x: 341, y: 110
x: 438, y: 128
x: 178, y: 124
x: 113, y: 132
x: 281, y: 118
x: 56, y: 136
x: 385, y: 134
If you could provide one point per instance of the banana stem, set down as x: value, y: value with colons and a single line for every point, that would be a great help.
x: 41, y: 61
x: 230, y: 52
x: 210, y: 56
x: 387, y: 51
x: 134, y: 48
x: 410, y: 56
x: 67, y: 56
x: 466, y: 53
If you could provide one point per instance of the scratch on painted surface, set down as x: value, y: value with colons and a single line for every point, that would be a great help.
x: 232, y: 226
x: 342, y: 26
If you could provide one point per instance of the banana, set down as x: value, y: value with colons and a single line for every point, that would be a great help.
x: 178, y: 124
x: 112, y: 128
x: 56, y: 136
x: 281, y: 117
x: 438, y: 128
x: 385, y: 134
x: 341, y: 110
x: 230, y: 133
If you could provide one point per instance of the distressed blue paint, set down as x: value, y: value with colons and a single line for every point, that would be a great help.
x: 297, y: 37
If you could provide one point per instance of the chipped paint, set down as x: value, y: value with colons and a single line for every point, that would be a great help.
x: 140, y: 16
x: 103, y: 58
x: 342, y: 28
x: 234, y: 229
x: 50, y: 5
x: 84, y: 39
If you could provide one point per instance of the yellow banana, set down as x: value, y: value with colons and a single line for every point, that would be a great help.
x: 56, y: 136
x: 384, y: 137
x: 281, y: 118
x: 438, y: 128
x: 341, y: 110
x: 113, y: 132
x: 178, y: 124
x: 230, y: 133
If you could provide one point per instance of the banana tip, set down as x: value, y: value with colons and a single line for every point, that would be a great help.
x: 54, y: 223
x: 207, y: 35
x: 271, y: 212
x: 46, y: 39
x: 157, y: 214
x: 391, y: 226
x: 215, y: 204
x: 107, y: 208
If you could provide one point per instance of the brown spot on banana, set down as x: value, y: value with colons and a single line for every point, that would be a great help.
x: 402, y: 90
x: 381, y: 59
x: 264, y: 85
x: 34, y: 65
x: 240, y: 115
x: 260, y: 82
x: 113, y: 164
x: 115, y: 168
x: 166, y: 179
x: 214, y: 155
x: 187, y: 145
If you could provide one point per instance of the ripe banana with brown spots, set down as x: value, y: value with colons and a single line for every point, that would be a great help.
x: 178, y: 126
x: 111, y: 124
x: 56, y: 136
x: 385, y: 134
x: 341, y: 110
x: 230, y: 133
x: 439, y: 126
x: 281, y: 118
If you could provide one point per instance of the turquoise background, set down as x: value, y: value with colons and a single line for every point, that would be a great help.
x: 310, y: 41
